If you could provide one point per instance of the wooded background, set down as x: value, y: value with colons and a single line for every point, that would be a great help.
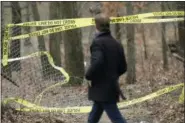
x: 149, y: 49
x: 71, y: 48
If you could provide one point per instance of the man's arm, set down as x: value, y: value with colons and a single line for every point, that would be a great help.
x: 122, y: 68
x: 96, y: 60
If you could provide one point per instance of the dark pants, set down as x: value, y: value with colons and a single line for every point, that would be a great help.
x: 110, y: 108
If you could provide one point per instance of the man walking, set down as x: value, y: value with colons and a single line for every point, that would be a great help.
x: 107, y: 64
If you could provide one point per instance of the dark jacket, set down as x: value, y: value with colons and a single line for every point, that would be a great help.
x: 107, y: 64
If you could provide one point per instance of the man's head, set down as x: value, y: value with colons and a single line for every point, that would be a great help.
x: 102, y: 22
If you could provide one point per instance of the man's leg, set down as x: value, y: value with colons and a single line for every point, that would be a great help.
x: 113, y: 112
x: 96, y: 113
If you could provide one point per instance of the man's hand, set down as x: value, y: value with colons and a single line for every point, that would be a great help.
x: 87, y: 82
x: 96, y: 61
x: 86, y: 85
x: 120, y: 92
x: 123, y: 97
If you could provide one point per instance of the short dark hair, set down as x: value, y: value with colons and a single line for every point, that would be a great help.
x: 102, y: 22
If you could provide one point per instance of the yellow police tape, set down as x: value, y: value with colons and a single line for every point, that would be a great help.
x: 5, y: 46
x: 50, y: 59
x: 83, y: 109
x: 124, y: 19
x: 79, y: 24
x: 30, y: 107
x: 181, y: 97
x: 68, y: 24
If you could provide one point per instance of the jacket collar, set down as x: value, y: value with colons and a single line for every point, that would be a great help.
x: 101, y: 33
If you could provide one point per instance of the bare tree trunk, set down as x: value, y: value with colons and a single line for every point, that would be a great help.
x: 73, y: 45
x: 41, y: 43
x: 131, y: 60
x: 5, y: 70
x: 27, y: 41
x: 94, y: 10
x: 144, y: 41
x: 181, y: 29
x: 144, y: 38
x: 15, y: 45
x: 164, y: 45
x: 118, y: 30
x: 55, y: 39
x: 171, y: 6
x: 91, y: 31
